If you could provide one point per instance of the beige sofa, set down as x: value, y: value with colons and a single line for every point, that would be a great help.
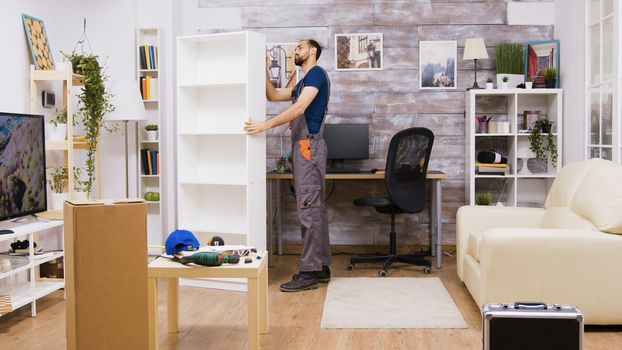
x: 568, y: 253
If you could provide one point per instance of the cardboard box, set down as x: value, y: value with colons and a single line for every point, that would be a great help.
x: 106, y: 275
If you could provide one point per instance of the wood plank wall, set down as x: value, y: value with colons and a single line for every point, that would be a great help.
x: 389, y: 100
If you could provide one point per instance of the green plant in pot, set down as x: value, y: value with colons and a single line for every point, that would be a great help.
x: 550, y: 77
x: 510, y: 62
x: 93, y: 103
x: 542, y: 149
x: 482, y: 199
x: 152, y: 132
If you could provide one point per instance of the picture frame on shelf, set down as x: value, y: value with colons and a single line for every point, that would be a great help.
x: 437, y: 65
x: 38, y: 41
x: 540, y: 55
x: 283, y: 71
x: 359, y: 51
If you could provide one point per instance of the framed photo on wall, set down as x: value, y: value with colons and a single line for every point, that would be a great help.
x: 359, y: 51
x: 538, y: 56
x: 437, y: 65
x: 282, y: 70
x: 38, y: 41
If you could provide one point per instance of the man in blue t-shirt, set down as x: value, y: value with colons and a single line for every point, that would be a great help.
x: 306, y: 117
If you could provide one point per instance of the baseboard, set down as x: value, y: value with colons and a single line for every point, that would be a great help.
x: 362, y: 250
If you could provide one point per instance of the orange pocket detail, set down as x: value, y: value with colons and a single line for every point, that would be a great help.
x: 305, y: 148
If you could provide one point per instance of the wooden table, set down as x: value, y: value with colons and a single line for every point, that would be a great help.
x: 436, y: 230
x: 256, y: 273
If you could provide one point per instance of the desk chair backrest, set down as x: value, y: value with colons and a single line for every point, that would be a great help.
x: 407, y: 167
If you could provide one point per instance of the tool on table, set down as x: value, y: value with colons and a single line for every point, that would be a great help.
x: 208, y: 259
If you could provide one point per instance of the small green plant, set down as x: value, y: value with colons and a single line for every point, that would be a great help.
x: 528, y: 79
x: 489, y: 80
x: 540, y: 127
x: 550, y: 73
x: 482, y: 199
x: 60, y: 117
x: 510, y: 58
x: 151, y: 127
x: 505, y: 79
x: 58, y: 178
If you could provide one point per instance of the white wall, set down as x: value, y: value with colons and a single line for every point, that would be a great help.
x: 570, y: 30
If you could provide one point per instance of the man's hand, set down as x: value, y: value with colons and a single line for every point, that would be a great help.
x: 255, y: 126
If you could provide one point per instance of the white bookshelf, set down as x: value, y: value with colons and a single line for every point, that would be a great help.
x: 513, y: 189
x: 25, y: 292
x: 221, y: 183
x: 153, y: 108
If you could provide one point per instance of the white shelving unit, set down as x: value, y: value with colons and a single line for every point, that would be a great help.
x: 153, y: 108
x: 221, y: 182
x: 509, y: 105
x: 27, y: 292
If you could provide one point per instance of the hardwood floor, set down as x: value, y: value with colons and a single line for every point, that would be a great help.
x: 212, y: 319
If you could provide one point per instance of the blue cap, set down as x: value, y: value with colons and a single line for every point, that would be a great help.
x: 179, y: 240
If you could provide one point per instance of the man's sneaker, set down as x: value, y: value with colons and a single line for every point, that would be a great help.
x: 300, y: 281
x: 321, y: 276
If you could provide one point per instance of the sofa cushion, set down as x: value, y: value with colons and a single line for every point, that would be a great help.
x: 473, y: 244
x: 567, y: 182
x: 563, y: 217
x: 599, y: 197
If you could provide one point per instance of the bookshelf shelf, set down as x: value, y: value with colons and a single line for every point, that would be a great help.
x: 148, y: 69
x: 515, y: 188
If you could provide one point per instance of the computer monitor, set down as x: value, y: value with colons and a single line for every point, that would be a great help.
x: 346, y: 141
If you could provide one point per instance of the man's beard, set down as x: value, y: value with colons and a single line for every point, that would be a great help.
x: 298, y: 60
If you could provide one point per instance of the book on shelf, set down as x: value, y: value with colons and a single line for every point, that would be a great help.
x: 495, y: 165
x: 150, y: 161
x: 492, y: 169
x: 148, y: 56
x: 148, y: 87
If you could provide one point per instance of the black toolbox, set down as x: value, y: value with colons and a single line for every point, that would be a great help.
x: 532, y: 326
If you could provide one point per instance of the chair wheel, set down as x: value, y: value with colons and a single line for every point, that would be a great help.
x: 427, y: 270
x: 350, y: 267
x: 382, y: 273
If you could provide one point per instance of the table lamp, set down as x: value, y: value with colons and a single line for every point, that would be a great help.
x: 128, y: 107
x: 475, y: 49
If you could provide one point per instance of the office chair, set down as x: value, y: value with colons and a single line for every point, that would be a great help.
x: 405, y: 178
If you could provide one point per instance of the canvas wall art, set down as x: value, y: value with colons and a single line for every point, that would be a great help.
x: 360, y: 51
x: 38, y: 41
x: 437, y: 64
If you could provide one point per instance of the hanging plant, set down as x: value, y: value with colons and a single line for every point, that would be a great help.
x: 540, y: 127
x: 93, y: 103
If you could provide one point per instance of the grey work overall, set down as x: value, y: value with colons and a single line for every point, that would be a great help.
x: 309, y: 170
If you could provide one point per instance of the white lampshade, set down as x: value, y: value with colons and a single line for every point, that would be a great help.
x: 474, y: 49
x: 127, y: 101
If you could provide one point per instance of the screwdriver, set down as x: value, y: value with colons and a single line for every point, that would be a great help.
x: 209, y: 259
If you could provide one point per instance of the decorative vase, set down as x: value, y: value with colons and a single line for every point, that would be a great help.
x: 528, y: 85
x: 56, y: 133
x: 523, y: 152
x: 152, y: 135
x: 57, y: 200
x: 489, y: 86
x: 504, y: 85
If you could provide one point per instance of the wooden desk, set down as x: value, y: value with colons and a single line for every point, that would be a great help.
x: 436, y: 232
x: 256, y: 273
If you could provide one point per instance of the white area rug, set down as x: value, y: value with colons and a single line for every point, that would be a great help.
x: 389, y: 302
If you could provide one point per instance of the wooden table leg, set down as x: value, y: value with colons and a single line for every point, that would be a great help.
x: 253, y: 313
x: 173, y: 305
x: 263, y: 301
x: 152, y: 299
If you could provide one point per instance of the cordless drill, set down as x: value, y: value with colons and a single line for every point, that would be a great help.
x: 209, y: 259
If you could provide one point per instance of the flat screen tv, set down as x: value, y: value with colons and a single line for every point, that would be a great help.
x: 22, y: 165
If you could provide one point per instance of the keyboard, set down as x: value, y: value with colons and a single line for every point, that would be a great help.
x: 347, y: 171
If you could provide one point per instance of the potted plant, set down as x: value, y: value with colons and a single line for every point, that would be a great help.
x: 57, y: 180
x: 541, y: 149
x: 482, y: 199
x: 550, y: 77
x: 93, y: 104
x: 489, y: 84
x: 504, y: 82
x: 528, y: 83
x: 152, y: 132
x: 510, y: 63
